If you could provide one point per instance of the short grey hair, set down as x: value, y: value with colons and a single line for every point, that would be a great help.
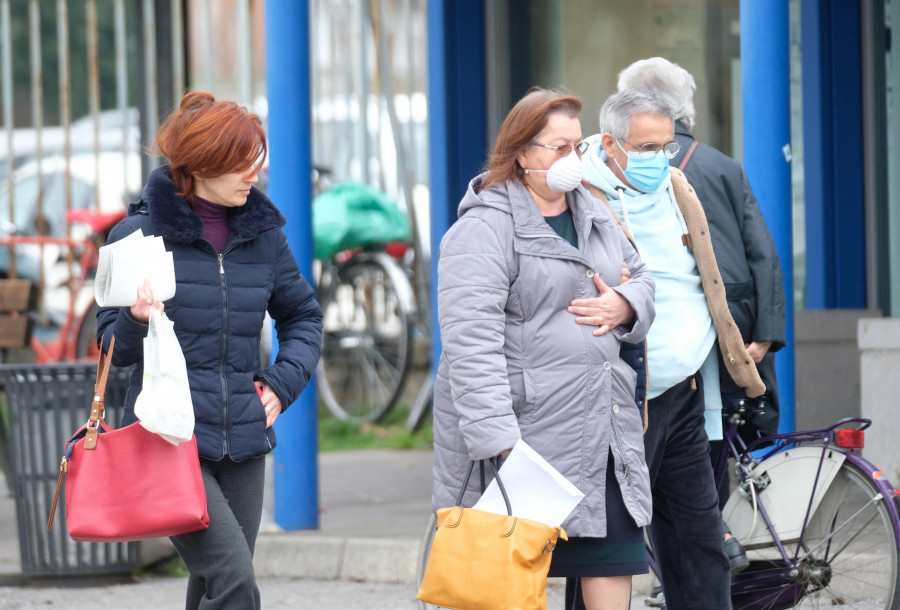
x: 667, y: 81
x: 617, y: 110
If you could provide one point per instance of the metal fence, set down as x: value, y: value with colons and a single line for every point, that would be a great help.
x: 98, y: 58
x: 85, y: 83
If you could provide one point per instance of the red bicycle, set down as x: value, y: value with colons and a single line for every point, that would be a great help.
x: 76, y: 338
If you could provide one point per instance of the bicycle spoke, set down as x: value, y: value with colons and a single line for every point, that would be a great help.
x: 828, y: 539
x: 378, y: 357
x: 846, y: 557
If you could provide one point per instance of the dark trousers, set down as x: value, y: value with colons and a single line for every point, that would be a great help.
x: 220, y: 558
x: 686, y: 531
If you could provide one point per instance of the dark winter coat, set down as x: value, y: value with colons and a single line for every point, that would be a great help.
x: 218, y: 311
x: 744, y: 249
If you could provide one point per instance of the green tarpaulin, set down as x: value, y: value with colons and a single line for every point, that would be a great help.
x: 352, y: 215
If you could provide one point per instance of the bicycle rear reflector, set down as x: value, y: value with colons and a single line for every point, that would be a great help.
x: 850, y: 439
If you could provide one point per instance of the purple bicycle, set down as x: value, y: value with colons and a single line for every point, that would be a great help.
x: 818, y: 521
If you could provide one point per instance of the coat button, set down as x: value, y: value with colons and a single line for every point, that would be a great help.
x: 615, y: 408
x: 640, y: 358
x: 589, y: 273
x: 640, y: 402
x: 606, y: 366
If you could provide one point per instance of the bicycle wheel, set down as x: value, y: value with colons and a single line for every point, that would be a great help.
x: 86, y: 338
x: 366, y: 349
x: 847, y: 555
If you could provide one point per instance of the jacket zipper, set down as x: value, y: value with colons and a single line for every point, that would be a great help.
x: 539, y: 235
x: 224, y: 351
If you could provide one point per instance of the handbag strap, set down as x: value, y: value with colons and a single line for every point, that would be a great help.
x: 98, y: 411
x: 465, y: 484
x: 93, y: 426
x: 689, y: 154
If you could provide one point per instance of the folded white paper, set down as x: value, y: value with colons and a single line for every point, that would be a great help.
x: 536, y: 490
x: 125, y: 264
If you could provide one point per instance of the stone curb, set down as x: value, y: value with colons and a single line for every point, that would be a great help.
x: 387, y: 560
x: 290, y: 555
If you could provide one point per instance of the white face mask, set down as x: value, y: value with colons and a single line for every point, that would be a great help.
x: 564, y: 175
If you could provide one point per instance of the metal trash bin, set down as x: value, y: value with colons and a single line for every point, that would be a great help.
x: 47, y: 404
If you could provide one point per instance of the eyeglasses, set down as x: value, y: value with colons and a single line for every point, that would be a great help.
x: 648, y: 151
x: 564, y: 150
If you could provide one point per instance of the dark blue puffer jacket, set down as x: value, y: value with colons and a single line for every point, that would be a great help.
x: 218, y: 311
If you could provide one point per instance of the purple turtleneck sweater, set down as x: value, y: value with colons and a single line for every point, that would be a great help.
x: 215, y: 222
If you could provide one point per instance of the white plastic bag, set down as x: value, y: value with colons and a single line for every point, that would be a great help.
x: 164, y: 405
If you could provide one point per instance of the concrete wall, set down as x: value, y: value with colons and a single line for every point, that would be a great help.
x: 879, y: 363
x: 827, y: 365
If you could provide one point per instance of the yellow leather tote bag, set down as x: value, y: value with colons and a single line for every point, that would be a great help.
x: 486, y: 561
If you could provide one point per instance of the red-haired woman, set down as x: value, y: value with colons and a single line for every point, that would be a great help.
x: 533, y: 317
x: 232, y: 265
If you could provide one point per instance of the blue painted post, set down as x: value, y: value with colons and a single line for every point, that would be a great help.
x: 290, y: 186
x: 833, y: 155
x: 765, y: 83
x: 457, y: 118
x: 438, y: 135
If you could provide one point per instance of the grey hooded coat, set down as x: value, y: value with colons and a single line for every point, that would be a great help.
x: 515, y: 364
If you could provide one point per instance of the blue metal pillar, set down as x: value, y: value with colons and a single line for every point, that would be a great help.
x: 456, y: 116
x: 765, y: 83
x: 833, y: 154
x: 290, y: 186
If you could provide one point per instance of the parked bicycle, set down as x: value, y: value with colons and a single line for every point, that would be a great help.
x: 76, y: 337
x: 819, y: 522
x: 368, y: 321
x: 367, y: 298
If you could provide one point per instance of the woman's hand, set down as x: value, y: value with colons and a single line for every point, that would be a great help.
x: 146, y: 300
x: 606, y: 311
x: 271, y: 403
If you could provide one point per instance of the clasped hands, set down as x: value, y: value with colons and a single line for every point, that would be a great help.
x: 606, y: 311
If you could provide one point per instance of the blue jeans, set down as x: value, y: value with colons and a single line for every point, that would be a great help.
x: 686, y: 530
x: 220, y: 558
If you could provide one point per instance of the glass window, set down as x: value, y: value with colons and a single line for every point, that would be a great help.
x: 581, y: 45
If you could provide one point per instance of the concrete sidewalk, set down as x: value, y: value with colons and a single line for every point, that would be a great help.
x: 375, y: 506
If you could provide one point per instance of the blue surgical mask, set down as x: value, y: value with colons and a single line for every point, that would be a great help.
x: 646, y: 175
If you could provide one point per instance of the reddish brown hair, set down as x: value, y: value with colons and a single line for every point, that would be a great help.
x: 208, y: 139
x: 524, y: 122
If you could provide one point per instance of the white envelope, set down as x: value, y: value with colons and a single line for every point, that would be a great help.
x: 536, y: 490
x: 125, y: 264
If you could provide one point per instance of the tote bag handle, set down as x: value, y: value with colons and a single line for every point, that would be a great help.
x: 465, y: 484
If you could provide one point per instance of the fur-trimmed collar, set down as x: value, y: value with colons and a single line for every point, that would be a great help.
x: 171, y: 216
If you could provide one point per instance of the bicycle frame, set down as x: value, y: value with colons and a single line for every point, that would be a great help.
x: 754, y: 589
x: 757, y: 586
x: 64, y: 347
